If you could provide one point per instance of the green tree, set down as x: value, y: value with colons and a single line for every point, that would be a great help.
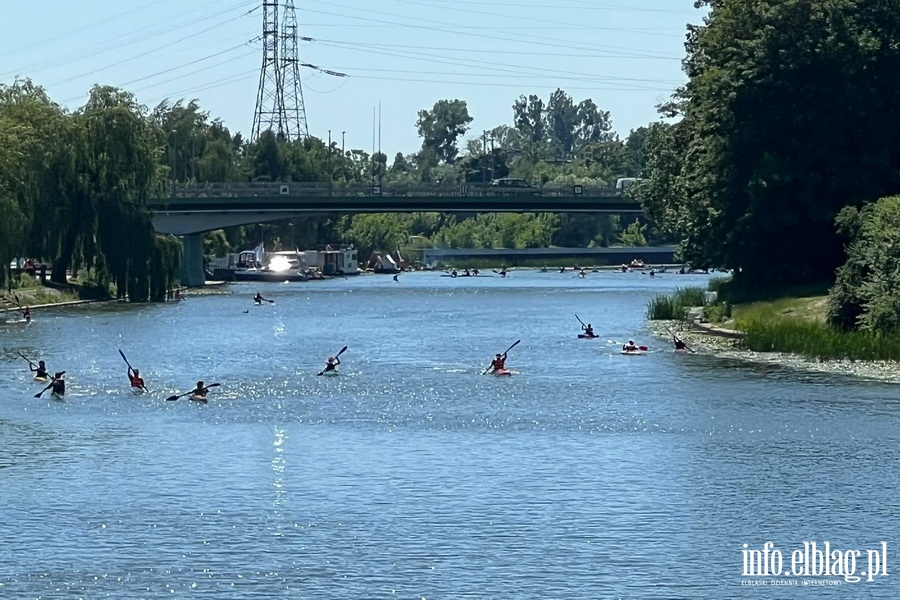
x: 441, y: 127
x: 866, y: 294
x: 787, y: 117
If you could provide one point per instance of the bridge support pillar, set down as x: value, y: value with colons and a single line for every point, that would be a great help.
x: 192, y: 274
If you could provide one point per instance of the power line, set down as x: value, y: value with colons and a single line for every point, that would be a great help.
x: 506, y: 68
x: 148, y: 52
x: 510, y: 85
x: 188, y: 74
x: 480, y: 51
x: 116, y: 44
x: 521, y: 18
x: 61, y: 36
x: 464, y: 33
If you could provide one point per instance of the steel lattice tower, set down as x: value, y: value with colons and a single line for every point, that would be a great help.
x: 292, y: 90
x: 269, y: 112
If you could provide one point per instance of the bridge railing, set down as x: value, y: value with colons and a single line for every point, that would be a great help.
x: 301, y: 189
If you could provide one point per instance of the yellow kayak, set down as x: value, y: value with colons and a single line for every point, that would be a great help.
x: 43, y: 379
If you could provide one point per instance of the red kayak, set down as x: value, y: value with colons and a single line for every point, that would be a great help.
x: 501, y: 372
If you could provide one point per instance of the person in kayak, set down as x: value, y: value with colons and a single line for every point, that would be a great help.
x: 134, y: 376
x: 499, y: 363
x: 200, y: 390
x: 630, y: 347
x: 331, y: 364
x: 589, y: 330
x: 258, y: 298
x: 679, y: 344
x: 26, y: 314
x: 40, y: 370
x: 58, y: 385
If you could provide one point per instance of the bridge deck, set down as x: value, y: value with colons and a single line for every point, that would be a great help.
x: 319, y: 198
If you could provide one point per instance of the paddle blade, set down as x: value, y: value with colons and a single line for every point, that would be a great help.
x: 171, y: 398
x: 344, y: 349
x: 213, y: 385
x: 644, y: 348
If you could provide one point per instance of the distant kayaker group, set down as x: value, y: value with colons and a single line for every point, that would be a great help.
x: 497, y: 366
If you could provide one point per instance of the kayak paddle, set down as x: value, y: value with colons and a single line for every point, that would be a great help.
x: 52, y: 381
x: 130, y: 368
x: 344, y: 349
x: 504, y: 354
x: 171, y: 398
x: 27, y: 359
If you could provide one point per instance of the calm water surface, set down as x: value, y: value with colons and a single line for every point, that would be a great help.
x: 587, y: 475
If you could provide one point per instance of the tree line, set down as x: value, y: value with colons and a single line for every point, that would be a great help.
x: 74, y: 186
x: 789, y: 119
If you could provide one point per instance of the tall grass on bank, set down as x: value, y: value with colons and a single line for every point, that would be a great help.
x: 815, y: 339
x: 674, y: 307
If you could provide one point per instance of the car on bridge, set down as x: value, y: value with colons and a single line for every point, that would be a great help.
x: 509, y: 186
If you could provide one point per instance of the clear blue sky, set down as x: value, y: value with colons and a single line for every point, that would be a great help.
x: 406, y: 54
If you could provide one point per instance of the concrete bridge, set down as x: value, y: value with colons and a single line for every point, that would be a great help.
x: 189, y: 210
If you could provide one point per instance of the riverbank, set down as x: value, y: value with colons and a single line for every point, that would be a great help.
x: 726, y: 343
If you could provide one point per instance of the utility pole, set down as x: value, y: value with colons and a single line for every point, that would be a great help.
x: 342, y: 142
x: 484, y: 157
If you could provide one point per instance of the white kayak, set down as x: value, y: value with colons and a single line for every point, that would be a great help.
x: 332, y: 373
x: 633, y: 352
x: 137, y: 391
x: 57, y: 397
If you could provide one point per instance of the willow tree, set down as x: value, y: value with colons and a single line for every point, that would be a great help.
x: 120, y: 164
x: 15, y: 219
x: 37, y: 169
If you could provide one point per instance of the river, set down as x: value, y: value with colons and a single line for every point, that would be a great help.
x: 588, y: 474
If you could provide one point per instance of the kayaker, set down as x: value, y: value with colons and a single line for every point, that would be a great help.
x: 582, y: 273
x: 58, y: 385
x: 26, y: 314
x: 630, y: 347
x: 258, y: 298
x: 679, y: 345
x: 134, y: 376
x: 475, y: 272
x: 40, y: 371
x: 395, y: 278
x: 332, y: 364
x: 588, y: 330
x: 499, y: 363
x: 200, y: 390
